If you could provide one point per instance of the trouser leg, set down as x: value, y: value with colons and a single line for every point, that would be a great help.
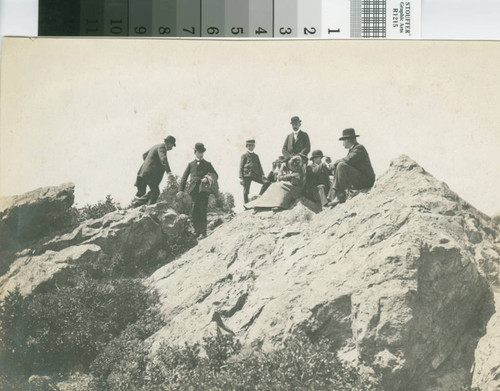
x: 153, y: 193
x: 246, y: 188
x: 140, y: 197
x: 196, y: 211
x: 200, y: 213
x: 321, y: 195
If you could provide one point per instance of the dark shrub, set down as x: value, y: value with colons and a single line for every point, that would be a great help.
x: 93, y: 211
x: 69, y: 325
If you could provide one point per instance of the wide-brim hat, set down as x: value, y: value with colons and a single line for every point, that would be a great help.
x: 348, y: 133
x: 199, y: 147
x: 295, y: 120
x: 170, y: 139
x: 280, y: 159
x: 316, y: 153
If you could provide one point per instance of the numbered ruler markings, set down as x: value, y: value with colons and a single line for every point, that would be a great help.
x: 164, y: 14
x: 237, y: 18
x: 309, y: 18
x: 140, y: 18
x: 285, y: 18
x: 260, y: 18
x: 115, y: 18
x: 335, y: 19
x: 188, y: 18
x: 213, y: 20
x: 91, y: 17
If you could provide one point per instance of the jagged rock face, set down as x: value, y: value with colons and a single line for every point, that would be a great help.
x: 132, y: 234
x: 398, y: 276
x: 29, y: 216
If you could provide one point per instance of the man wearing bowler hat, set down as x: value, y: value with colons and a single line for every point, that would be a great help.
x: 151, y: 172
x: 317, y: 179
x: 297, y: 142
x: 250, y: 169
x: 353, y: 171
x: 199, y: 170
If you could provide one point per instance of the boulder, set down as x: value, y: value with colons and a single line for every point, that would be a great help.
x: 32, y: 215
x: 133, y: 237
x: 30, y: 272
x: 400, y: 277
x: 136, y: 234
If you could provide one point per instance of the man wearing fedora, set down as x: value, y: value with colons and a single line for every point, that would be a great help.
x: 353, y: 171
x: 151, y: 172
x: 250, y: 169
x: 199, y: 170
x: 297, y: 142
x: 317, y: 179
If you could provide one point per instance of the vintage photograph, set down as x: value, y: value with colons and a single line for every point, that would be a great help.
x: 239, y: 215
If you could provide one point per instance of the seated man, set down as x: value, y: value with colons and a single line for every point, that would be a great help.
x: 353, y: 171
x: 317, y: 179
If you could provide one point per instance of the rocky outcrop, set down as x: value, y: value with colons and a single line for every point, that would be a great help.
x: 132, y: 236
x: 29, y: 216
x: 400, y: 277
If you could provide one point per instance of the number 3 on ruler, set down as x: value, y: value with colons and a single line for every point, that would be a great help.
x: 284, y: 31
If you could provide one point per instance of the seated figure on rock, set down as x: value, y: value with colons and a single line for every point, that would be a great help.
x: 318, y: 178
x: 354, y: 171
x: 289, y: 186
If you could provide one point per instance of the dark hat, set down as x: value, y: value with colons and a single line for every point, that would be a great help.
x: 317, y: 153
x: 170, y: 139
x: 295, y: 120
x: 348, y: 133
x: 250, y: 141
x: 199, y: 147
x: 280, y: 159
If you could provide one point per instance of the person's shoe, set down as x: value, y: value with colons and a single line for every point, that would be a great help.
x: 341, y: 197
x: 201, y: 236
x: 332, y: 204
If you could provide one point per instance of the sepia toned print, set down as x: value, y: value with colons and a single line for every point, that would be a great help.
x: 364, y: 257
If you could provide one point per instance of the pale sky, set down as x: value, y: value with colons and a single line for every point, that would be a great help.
x: 84, y: 110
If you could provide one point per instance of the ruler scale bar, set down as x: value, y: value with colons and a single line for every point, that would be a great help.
x: 304, y: 19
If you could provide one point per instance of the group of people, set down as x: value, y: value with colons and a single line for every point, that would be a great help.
x: 293, y: 174
x: 203, y: 180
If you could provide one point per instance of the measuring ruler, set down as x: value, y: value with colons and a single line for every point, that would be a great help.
x: 300, y: 19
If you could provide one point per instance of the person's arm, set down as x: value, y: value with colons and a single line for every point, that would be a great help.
x: 162, y: 154
x: 184, y: 178
x: 212, y: 170
x: 355, y: 155
x: 284, y: 151
x: 307, y: 145
x: 242, y: 164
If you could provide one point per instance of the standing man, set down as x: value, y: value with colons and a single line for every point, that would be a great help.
x: 353, y: 171
x: 297, y: 142
x: 317, y: 179
x: 250, y: 169
x: 201, y: 173
x: 151, y: 172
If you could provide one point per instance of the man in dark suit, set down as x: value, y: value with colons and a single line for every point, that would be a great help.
x: 317, y: 179
x: 198, y: 170
x: 297, y: 142
x: 354, y: 171
x: 151, y: 172
x: 250, y: 169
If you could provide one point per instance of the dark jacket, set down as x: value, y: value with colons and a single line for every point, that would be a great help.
x: 250, y: 166
x: 359, y: 159
x: 317, y: 174
x: 292, y: 147
x: 197, y: 173
x: 155, y: 164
